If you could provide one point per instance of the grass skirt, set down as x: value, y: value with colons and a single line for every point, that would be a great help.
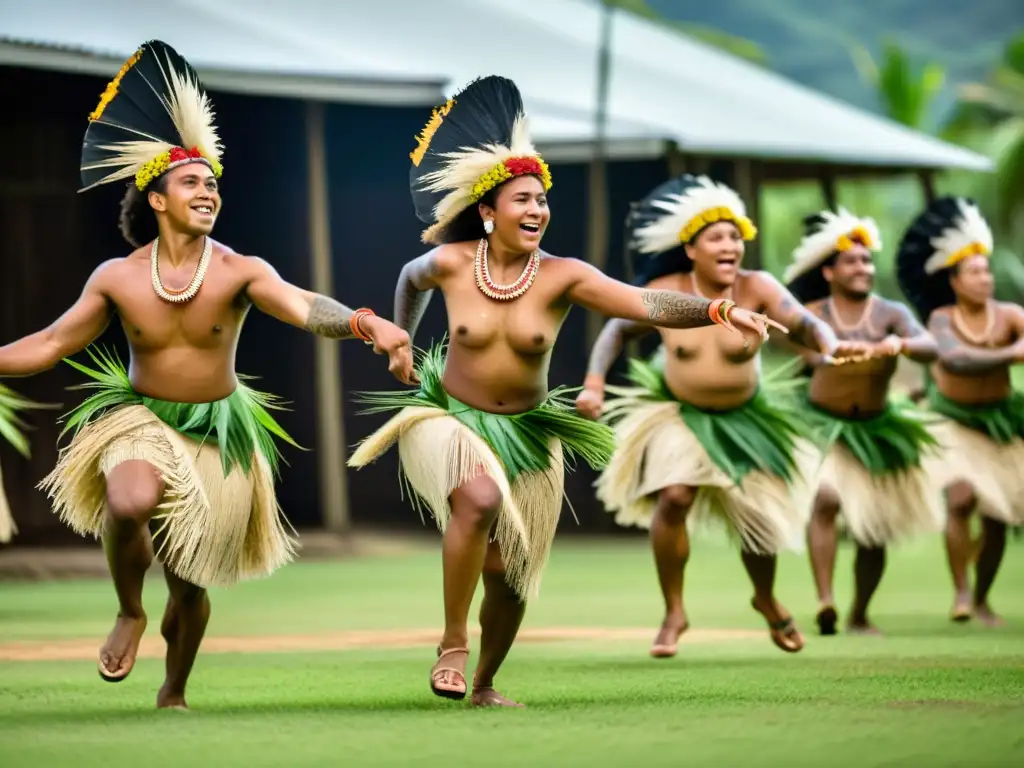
x: 754, y: 466
x: 219, y: 521
x: 876, y: 466
x: 443, y: 444
x: 982, y: 446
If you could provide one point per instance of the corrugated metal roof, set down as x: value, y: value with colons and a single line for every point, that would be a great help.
x: 664, y: 87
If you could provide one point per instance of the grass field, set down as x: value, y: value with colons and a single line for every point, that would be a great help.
x: 327, y: 664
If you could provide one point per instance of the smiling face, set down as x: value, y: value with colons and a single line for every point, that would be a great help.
x: 520, y: 214
x: 853, y: 272
x: 190, y: 200
x: 972, y: 280
x: 717, y: 252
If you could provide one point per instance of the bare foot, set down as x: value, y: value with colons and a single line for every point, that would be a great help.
x: 827, y: 618
x: 448, y: 675
x: 666, y: 643
x: 781, y: 626
x: 486, y: 696
x: 117, y: 656
x: 863, y: 627
x: 962, y: 609
x: 988, y: 617
x: 166, y: 699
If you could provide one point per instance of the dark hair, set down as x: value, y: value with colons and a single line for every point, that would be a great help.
x: 932, y: 291
x: 138, y: 221
x: 812, y: 285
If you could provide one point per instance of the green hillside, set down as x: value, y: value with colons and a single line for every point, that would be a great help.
x: 809, y: 40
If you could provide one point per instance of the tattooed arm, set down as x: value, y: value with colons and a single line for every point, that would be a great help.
x: 916, y: 342
x: 416, y: 284
x: 594, y: 290
x: 608, y: 347
x: 326, y: 317
x: 961, y: 359
x: 804, y: 328
x: 304, y: 309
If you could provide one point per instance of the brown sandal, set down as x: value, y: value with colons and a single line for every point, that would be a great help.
x: 783, y: 632
x: 436, y: 672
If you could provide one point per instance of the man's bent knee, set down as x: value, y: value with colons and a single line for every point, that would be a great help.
x: 134, y: 489
x: 477, y: 502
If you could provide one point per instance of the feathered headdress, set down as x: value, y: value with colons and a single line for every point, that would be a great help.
x: 948, y: 231
x: 471, y: 144
x: 152, y: 117
x: 672, y: 215
x: 827, y: 233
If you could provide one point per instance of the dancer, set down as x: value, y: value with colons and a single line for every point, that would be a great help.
x: 176, y: 437
x: 11, y: 426
x: 701, y: 436
x: 943, y: 269
x: 873, y: 472
x: 481, y: 442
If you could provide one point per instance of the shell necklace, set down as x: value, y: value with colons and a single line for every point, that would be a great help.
x: 493, y: 290
x: 847, y: 328
x: 188, y: 292
x: 978, y: 340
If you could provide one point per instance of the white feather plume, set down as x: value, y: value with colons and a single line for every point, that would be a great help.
x: 966, y: 230
x: 663, y: 234
x: 817, y: 247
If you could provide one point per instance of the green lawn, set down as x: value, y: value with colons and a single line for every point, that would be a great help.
x: 930, y: 692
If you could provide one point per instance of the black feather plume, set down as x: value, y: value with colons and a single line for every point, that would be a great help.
x: 650, y: 266
x: 926, y: 292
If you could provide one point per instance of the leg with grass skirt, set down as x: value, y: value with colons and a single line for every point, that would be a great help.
x: 494, y: 485
x: 677, y: 467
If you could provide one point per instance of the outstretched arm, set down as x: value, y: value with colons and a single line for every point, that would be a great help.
x: 594, y: 290
x: 958, y: 358
x: 326, y: 317
x: 916, y: 343
x: 416, y: 284
x: 72, y: 332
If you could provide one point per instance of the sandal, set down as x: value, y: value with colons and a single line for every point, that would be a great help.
x: 783, y: 632
x: 449, y: 690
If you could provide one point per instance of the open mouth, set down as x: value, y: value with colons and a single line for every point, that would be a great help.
x: 533, y: 229
x: 206, y: 210
x: 726, y: 261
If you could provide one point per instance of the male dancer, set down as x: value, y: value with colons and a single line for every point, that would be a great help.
x: 943, y: 269
x: 873, y: 471
x: 176, y: 437
x: 704, y: 437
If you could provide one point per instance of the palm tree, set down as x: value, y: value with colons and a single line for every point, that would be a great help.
x: 906, y: 92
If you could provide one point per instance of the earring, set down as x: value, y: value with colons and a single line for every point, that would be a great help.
x: 488, y: 226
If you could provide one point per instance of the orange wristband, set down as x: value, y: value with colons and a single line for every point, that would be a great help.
x: 353, y: 323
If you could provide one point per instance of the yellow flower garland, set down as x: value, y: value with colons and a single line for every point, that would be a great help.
x: 713, y: 215
x: 500, y: 173
x: 974, y: 249
x: 159, y: 164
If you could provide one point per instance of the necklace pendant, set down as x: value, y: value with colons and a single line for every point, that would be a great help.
x: 190, y: 291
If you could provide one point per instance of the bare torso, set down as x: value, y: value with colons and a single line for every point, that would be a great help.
x: 856, y: 390
x: 710, y: 367
x: 499, y: 351
x: 183, y: 353
x: 989, y: 386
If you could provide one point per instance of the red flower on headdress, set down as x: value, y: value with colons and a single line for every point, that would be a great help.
x: 178, y: 154
x: 522, y: 166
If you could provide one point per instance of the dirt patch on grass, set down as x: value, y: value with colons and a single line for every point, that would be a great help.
x: 153, y: 646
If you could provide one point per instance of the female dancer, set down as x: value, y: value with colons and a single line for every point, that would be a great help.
x: 481, y: 442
